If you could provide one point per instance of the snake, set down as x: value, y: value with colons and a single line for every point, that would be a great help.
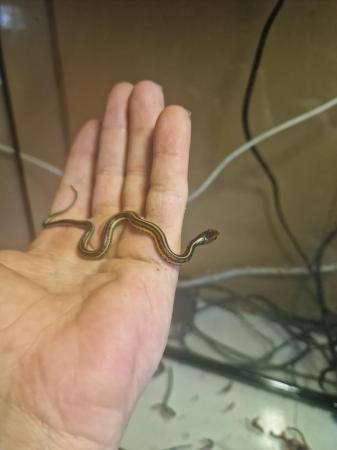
x: 136, y: 221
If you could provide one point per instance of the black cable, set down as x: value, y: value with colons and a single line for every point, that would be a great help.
x: 326, y: 316
x: 253, y: 378
x: 305, y: 327
x: 263, y: 362
x: 246, y: 128
x: 315, y: 270
x: 245, y: 124
x: 300, y: 330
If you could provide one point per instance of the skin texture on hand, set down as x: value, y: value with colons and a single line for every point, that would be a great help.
x: 79, y: 339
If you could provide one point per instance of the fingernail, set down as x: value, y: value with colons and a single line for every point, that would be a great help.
x: 188, y: 112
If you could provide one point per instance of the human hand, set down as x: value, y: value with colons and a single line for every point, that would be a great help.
x: 80, y: 338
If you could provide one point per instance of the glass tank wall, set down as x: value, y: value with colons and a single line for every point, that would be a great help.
x: 251, y: 358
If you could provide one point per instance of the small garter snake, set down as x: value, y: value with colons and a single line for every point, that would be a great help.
x: 137, y: 222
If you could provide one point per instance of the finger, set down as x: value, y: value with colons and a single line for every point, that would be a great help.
x: 109, y: 176
x: 79, y: 174
x: 146, y: 103
x: 167, y: 197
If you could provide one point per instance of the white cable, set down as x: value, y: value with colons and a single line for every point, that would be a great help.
x: 251, y: 271
x: 6, y: 149
x: 224, y: 163
x: 33, y: 160
x: 254, y: 271
x: 231, y: 273
x: 261, y: 137
x: 43, y: 164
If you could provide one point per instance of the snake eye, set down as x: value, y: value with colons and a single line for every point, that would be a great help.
x: 207, y: 236
x: 211, y: 235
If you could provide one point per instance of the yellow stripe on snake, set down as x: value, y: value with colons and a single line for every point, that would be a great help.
x: 135, y: 221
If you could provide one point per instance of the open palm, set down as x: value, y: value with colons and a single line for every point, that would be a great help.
x: 80, y: 338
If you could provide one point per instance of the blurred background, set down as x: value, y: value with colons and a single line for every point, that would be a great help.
x: 251, y: 360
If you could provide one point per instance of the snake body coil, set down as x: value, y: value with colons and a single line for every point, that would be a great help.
x: 137, y: 222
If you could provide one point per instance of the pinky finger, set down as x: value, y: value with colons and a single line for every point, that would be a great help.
x: 79, y: 174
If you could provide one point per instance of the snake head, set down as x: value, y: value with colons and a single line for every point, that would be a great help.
x: 207, y: 236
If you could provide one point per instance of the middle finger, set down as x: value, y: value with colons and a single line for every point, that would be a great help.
x: 109, y: 176
x: 146, y: 103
